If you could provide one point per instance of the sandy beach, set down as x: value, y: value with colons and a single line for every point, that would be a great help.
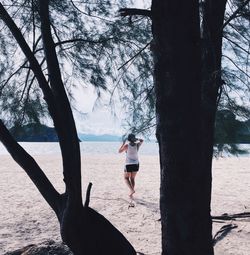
x: 26, y: 218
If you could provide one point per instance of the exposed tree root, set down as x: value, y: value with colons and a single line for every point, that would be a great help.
x: 236, y: 216
x: 224, y: 230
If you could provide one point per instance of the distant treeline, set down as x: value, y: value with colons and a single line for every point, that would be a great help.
x: 36, y: 132
x: 228, y: 130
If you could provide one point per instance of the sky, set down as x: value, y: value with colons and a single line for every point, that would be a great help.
x: 101, y: 120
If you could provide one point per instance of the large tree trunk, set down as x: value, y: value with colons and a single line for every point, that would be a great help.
x: 184, y: 202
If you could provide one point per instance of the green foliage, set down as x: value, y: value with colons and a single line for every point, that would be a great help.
x: 97, y: 47
x: 230, y: 130
x: 92, y: 42
x: 235, y: 91
x: 235, y: 62
x: 229, y: 133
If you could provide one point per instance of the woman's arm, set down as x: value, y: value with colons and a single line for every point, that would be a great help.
x: 123, y: 147
x: 140, y: 143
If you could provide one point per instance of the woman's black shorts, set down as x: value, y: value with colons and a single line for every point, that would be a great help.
x: 131, y: 168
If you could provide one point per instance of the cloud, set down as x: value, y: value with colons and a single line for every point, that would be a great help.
x: 95, y: 115
x: 98, y: 122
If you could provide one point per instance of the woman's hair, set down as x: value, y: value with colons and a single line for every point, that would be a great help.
x: 131, y: 138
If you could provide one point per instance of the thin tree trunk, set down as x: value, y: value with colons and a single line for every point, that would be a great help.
x: 67, y: 133
x: 212, y: 25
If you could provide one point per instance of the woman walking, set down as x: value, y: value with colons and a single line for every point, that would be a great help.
x: 131, y: 148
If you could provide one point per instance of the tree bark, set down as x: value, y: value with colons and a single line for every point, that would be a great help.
x: 134, y: 11
x: 184, y: 202
x: 212, y: 25
x: 86, y: 231
x: 67, y: 133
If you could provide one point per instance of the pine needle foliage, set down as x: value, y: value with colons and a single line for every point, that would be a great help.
x: 97, y: 47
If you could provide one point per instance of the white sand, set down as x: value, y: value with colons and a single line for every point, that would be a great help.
x: 26, y: 218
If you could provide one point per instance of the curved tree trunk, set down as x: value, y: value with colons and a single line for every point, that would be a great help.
x: 86, y: 231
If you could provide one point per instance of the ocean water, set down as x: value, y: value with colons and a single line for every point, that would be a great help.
x: 95, y: 148
x: 44, y: 148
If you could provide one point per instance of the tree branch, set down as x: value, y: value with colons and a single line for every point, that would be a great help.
x: 30, y: 166
x: 226, y: 216
x: 88, y: 14
x: 25, y: 84
x: 231, y: 60
x: 74, y: 40
x: 134, y: 11
x: 236, y: 44
x: 224, y: 230
x: 34, y: 65
x: 5, y: 82
x: 138, y: 53
x: 239, y: 33
x: 86, y: 204
x: 67, y: 133
x: 234, y: 15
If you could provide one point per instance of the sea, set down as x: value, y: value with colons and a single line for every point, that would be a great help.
x: 87, y: 148
x: 95, y: 148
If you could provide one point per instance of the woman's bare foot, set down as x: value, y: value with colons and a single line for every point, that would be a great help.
x: 132, y: 193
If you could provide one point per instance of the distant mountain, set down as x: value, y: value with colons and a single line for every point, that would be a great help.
x: 34, y: 132
x: 99, y: 138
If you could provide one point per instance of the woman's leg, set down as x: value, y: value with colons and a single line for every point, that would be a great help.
x: 132, y: 180
x: 127, y: 178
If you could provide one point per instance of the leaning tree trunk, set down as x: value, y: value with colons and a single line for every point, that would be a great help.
x: 184, y: 202
x: 85, y: 231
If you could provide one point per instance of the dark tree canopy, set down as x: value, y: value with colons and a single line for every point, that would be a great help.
x: 95, y: 47
x: 234, y: 92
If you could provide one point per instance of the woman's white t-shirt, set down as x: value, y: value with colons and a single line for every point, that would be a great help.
x: 132, y: 155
